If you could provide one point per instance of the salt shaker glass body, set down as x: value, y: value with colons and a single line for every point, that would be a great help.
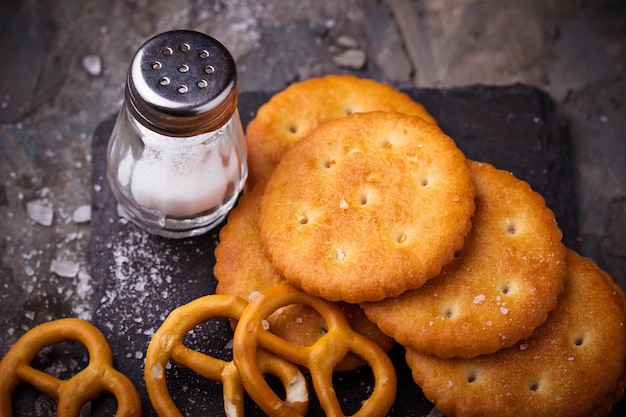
x: 176, y: 158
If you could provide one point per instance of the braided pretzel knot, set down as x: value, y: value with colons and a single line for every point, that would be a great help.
x: 167, y: 343
x: 320, y: 358
x: 91, y: 382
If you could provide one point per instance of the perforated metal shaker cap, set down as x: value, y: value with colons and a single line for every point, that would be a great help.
x: 182, y: 83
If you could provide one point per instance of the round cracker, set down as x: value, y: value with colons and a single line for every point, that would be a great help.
x: 500, y: 287
x: 243, y: 270
x: 571, y: 366
x: 241, y: 267
x: 295, y: 111
x: 366, y: 207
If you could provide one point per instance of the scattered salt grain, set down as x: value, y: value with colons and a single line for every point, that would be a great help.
x: 40, y: 213
x: 343, y: 204
x: 84, y: 282
x: 479, y: 298
x: 352, y: 58
x: 82, y: 214
x: 92, y: 64
x: 504, y: 310
x: 157, y: 370
x: 63, y: 268
x: 347, y: 41
x: 524, y: 346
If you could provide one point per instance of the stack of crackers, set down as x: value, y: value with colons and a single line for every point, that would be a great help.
x: 355, y: 195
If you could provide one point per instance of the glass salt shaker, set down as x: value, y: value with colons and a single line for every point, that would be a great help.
x: 177, y: 155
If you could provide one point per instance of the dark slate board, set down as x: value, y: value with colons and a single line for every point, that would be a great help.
x: 139, y: 278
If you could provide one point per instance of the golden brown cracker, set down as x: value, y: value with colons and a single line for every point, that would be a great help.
x: 366, y: 207
x: 570, y: 366
x: 242, y: 269
x: 500, y: 286
x: 295, y: 111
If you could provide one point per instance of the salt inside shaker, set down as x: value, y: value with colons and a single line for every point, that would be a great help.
x: 176, y: 159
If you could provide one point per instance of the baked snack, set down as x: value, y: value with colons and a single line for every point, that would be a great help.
x: 501, y: 285
x: 573, y: 365
x: 243, y: 270
x: 321, y: 358
x: 295, y: 111
x: 366, y: 207
x: 167, y: 346
x: 97, y: 378
x: 241, y: 267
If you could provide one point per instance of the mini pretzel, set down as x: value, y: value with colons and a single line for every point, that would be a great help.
x: 99, y: 375
x: 320, y: 358
x: 167, y: 343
